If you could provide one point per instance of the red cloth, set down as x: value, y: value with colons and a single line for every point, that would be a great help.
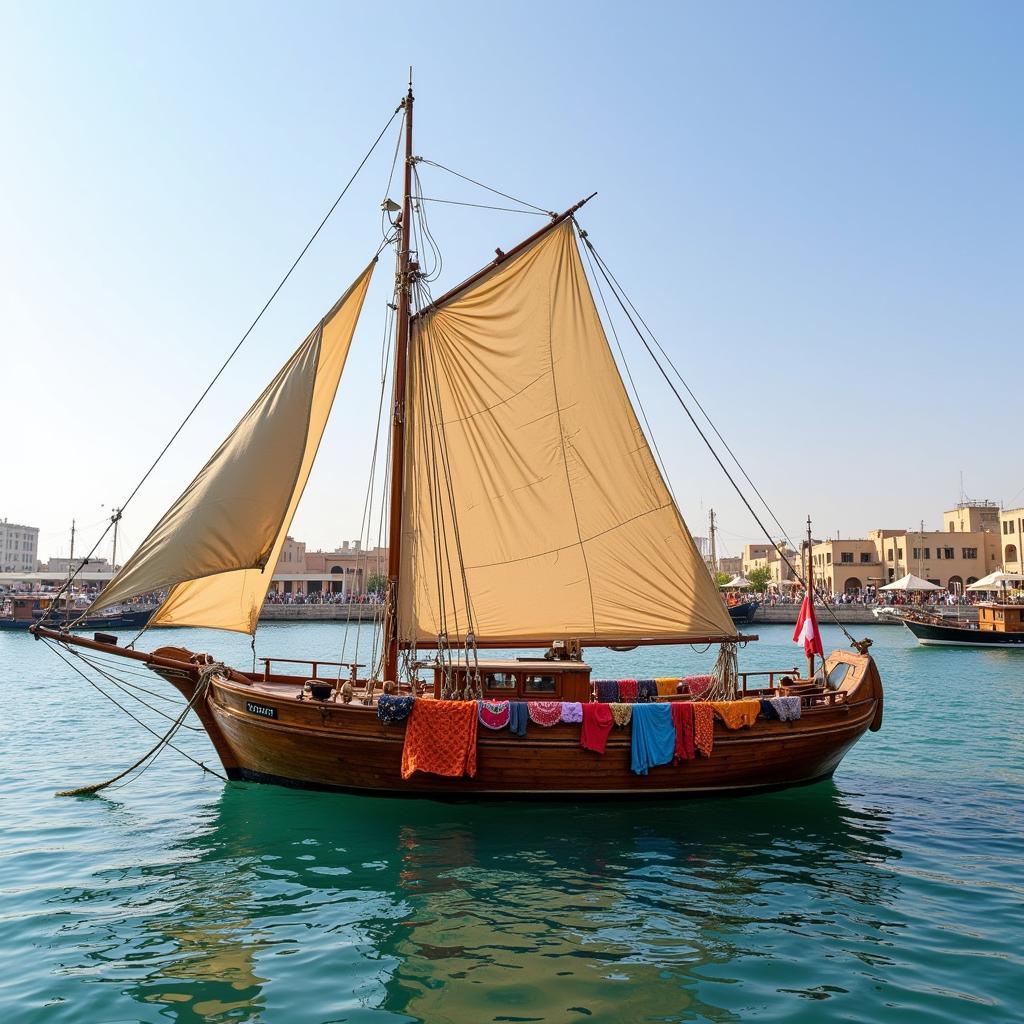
x: 627, y: 691
x: 697, y: 684
x: 682, y: 719
x: 807, y: 631
x: 440, y: 738
x: 597, y: 723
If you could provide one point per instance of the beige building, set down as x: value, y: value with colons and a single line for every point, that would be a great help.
x: 766, y: 556
x: 1011, y: 539
x: 972, y: 517
x: 19, y: 547
x: 733, y: 565
x: 345, y: 570
x: 953, y: 559
x: 846, y: 566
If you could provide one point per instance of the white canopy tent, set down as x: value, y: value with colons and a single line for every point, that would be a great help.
x: 737, y: 583
x: 911, y: 582
x: 997, y: 580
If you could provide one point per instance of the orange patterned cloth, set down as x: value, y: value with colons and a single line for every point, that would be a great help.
x: 737, y: 713
x: 667, y: 686
x: 703, y: 727
x: 440, y: 738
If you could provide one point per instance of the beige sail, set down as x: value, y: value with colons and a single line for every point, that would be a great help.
x: 526, y: 470
x: 216, y: 547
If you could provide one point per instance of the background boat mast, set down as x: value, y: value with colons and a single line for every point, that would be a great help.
x: 398, y: 410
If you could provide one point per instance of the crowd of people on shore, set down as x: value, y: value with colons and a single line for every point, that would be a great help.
x: 323, y: 597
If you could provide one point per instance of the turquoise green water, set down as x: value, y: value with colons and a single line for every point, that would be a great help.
x: 893, y: 892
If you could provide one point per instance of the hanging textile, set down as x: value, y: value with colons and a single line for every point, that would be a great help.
x: 653, y: 739
x: 545, y: 712
x: 703, y: 727
x: 622, y: 714
x: 737, y: 714
x: 394, y: 709
x: 767, y: 710
x: 787, y: 709
x: 597, y: 723
x: 607, y: 690
x: 682, y: 722
x: 667, y: 687
x: 216, y: 548
x: 627, y: 691
x: 697, y: 684
x: 572, y: 711
x: 646, y: 690
x: 494, y: 714
x: 441, y: 738
x: 518, y: 716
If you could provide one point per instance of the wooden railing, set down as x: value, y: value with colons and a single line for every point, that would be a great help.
x: 352, y: 666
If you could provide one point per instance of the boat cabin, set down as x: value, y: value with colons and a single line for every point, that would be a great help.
x: 1001, y: 618
x: 25, y: 608
x: 523, y: 679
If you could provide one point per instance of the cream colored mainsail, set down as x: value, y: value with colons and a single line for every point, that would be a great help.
x: 213, y: 546
x: 527, y: 470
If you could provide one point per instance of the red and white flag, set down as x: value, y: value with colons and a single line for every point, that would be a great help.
x: 806, y: 631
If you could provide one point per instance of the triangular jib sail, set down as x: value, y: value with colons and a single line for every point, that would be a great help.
x: 213, y: 546
x: 530, y: 488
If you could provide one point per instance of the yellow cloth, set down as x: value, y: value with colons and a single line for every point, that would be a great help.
x: 737, y: 713
x: 215, y: 549
x: 565, y: 525
x: 666, y: 686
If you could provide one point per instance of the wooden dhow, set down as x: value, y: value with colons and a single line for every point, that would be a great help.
x: 527, y: 513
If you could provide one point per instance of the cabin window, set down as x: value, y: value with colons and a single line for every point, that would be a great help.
x: 539, y: 684
x: 837, y: 675
x: 499, y: 681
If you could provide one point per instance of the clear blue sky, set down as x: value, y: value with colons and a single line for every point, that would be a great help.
x: 813, y: 204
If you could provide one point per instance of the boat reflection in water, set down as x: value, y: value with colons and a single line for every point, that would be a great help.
x: 443, y: 912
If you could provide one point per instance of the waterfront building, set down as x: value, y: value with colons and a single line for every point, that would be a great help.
x: 56, y: 567
x: 731, y: 564
x: 1011, y: 539
x: 349, y: 569
x: 951, y: 562
x: 19, y: 547
x: 972, y: 517
x: 766, y: 556
x: 846, y: 566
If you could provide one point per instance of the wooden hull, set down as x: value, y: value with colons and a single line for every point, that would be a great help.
x: 344, y: 747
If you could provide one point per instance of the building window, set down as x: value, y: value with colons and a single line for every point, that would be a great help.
x: 925, y: 553
x: 828, y: 557
x: 948, y: 553
x: 846, y: 556
x: 865, y: 557
x: 970, y: 553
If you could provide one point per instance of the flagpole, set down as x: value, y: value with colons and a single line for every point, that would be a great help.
x: 810, y: 594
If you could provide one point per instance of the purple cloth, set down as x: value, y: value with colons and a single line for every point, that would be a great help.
x: 572, y: 711
x: 607, y: 690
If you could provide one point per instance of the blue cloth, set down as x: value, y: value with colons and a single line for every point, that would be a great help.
x: 646, y: 690
x: 768, y: 709
x: 607, y: 690
x: 393, y: 709
x: 787, y: 708
x: 518, y: 717
x: 654, y: 736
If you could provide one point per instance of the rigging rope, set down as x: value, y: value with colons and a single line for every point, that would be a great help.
x: 145, y: 476
x: 164, y: 740
x: 620, y: 297
x: 480, y: 184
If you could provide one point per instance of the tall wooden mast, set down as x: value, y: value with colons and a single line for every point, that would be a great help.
x: 398, y: 410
